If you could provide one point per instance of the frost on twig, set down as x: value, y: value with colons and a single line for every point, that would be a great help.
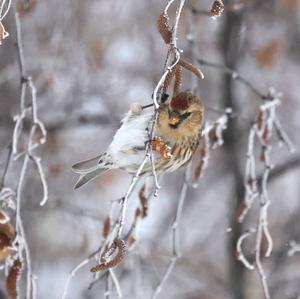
x: 16, y: 249
x: 239, y: 251
x: 4, y: 9
x: 175, y: 238
x: 294, y: 248
x: 264, y: 126
x: 212, y: 137
x: 261, y: 131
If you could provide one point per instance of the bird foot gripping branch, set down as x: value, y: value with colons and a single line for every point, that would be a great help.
x: 161, y: 147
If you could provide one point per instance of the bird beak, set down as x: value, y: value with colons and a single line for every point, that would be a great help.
x: 174, y: 118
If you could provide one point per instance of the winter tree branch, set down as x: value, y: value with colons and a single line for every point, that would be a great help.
x: 36, y: 137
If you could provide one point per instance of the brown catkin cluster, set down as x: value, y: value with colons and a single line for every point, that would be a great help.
x: 178, y: 80
x: 7, y: 234
x: 106, y: 227
x: 169, y: 79
x: 118, y: 245
x: 177, y: 73
x: 144, y: 201
x: 163, y: 27
x: 188, y: 66
x: 217, y: 8
x: 12, y: 279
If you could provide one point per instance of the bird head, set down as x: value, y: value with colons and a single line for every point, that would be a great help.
x: 182, y: 116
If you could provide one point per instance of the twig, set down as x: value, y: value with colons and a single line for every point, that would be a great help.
x: 267, y: 119
x: 2, y: 182
x: 283, y: 135
x: 76, y: 269
x: 175, y: 239
x: 261, y: 129
x: 116, y: 283
x: 212, y: 137
x: 250, y: 176
x: 20, y: 229
x: 26, y: 83
x: 240, y: 255
x: 294, y: 247
x: 3, y: 14
x: 271, y: 95
x: 107, y: 286
x: 233, y: 74
x: 258, y: 250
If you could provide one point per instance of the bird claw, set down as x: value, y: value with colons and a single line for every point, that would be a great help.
x: 160, y: 146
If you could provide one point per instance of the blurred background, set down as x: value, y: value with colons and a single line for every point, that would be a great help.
x: 89, y: 61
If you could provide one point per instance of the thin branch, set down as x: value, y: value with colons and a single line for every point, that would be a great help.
x: 257, y: 254
x: 76, y: 269
x: 234, y: 75
x: 282, y: 169
x: 3, y: 14
x: 7, y: 195
x: 294, y: 248
x: 8, y: 159
x: 271, y: 95
x: 261, y: 129
x: 175, y: 239
x: 240, y: 254
x: 20, y: 229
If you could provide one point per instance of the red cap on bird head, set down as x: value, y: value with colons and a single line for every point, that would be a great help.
x: 180, y: 102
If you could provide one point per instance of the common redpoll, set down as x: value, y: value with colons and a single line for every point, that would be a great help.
x: 176, y: 137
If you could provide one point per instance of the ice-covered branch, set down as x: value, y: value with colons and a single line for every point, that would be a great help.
x: 271, y: 95
x: 11, y: 199
x: 4, y: 9
x: 260, y: 131
x: 175, y: 239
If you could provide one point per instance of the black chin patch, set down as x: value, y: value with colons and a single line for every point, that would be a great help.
x: 174, y: 126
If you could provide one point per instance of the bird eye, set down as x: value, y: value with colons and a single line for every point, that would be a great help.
x: 186, y: 115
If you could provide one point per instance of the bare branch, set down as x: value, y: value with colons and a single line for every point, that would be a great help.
x: 175, y: 240
x: 2, y: 181
x: 8, y: 195
x: 240, y: 255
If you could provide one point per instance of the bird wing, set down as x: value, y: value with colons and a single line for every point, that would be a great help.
x: 128, y: 145
x: 88, y: 176
x: 87, y: 165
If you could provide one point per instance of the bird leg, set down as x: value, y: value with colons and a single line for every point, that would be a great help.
x: 160, y: 146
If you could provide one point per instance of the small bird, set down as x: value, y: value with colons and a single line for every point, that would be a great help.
x: 176, y: 137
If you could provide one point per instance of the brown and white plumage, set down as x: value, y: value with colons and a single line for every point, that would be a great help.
x: 179, y: 125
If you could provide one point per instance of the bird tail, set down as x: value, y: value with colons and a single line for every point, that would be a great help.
x: 91, y: 168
